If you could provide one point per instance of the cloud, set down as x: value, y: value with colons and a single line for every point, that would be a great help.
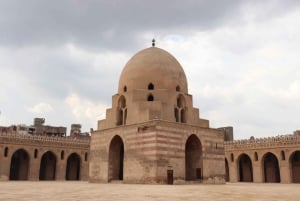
x: 40, y: 108
x: 241, y: 58
x: 85, y: 109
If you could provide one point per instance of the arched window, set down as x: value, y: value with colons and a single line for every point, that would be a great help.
x: 180, y: 110
x: 62, y: 155
x: 35, y: 153
x: 124, y: 89
x: 121, y: 111
x: 282, y: 155
x: 150, y: 98
x: 231, y: 157
x: 85, y: 156
x: 177, y: 88
x: 150, y: 86
x: 5, y: 151
x: 255, y: 156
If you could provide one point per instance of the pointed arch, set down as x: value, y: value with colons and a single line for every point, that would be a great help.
x: 116, y: 159
x: 295, y: 166
x: 255, y: 156
x: 193, y: 158
x: 5, y: 151
x: 73, y: 167
x: 226, y: 171
x: 245, y: 168
x: 121, y: 111
x: 271, y: 168
x: 19, y: 165
x: 150, y: 97
x: 150, y: 86
x: 48, y: 166
x: 180, y: 109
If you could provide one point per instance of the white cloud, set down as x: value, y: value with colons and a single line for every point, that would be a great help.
x: 85, y: 109
x: 40, y: 108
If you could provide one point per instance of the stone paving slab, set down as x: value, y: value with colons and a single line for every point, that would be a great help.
x: 81, y: 191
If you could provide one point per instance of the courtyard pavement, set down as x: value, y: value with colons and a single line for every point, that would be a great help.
x: 73, y: 191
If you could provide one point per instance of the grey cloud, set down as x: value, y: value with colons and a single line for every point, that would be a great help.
x: 103, y: 24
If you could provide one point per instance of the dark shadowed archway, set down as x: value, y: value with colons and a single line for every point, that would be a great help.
x: 193, y: 160
x: 226, y: 170
x: 116, y: 158
x: 19, y: 165
x: 73, y: 167
x: 295, y: 167
x: 48, y: 166
x: 245, y: 168
x: 271, y: 168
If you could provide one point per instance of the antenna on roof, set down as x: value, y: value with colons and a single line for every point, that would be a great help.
x: 153, y: 42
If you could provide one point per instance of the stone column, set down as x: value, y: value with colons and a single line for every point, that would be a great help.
x: 257, y: 172
x: 34, y: 168
x: 233, y: 172
x: 285, y: 174
x: 61, y: 166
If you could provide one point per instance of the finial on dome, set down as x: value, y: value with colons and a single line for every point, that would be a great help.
x: 153, y: 42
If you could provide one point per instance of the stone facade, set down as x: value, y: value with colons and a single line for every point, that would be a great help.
x: 33, y: 157
x: 152, y: 133
x: 273, y: 159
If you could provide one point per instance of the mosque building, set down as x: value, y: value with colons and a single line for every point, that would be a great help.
x: 152, y: 133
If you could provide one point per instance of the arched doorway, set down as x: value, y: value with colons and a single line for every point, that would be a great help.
x: 193, y: 161
x: 245, y: 168
x: 226, y: 170
x: 73, y: 167
x: 19, y: 165
x: 295, y: 167
x: 271, y: 168
x: 116, y: 158
x: 48, y: 166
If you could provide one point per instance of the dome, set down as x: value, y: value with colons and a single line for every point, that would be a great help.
x: 152, y: 66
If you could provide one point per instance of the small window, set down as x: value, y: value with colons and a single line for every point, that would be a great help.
x: 5, y: 151
x: 125, y: 89
x: 35, y: 153
x: 150, y: 86
x: 231, y: 157
x: 150, y: 98
x: 177, y: 88
x: 62, y: 155
x: 85, y: 156
x: 255, y: 156
x: 282, y: 155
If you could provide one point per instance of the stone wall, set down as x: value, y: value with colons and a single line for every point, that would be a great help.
x: 66, y: 154
x: 272, y: 159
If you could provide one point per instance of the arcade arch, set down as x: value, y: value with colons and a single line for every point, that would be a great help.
x: 193, y: 158
x: 73, y: 167
x: 245, y: 168
x: 116, y: 159
x: 48, y: 166
x: 19, y: 166
x: 295, y: 167
x: 271, y: 169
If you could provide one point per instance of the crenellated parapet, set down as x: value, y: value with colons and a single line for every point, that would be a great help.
x: 38, y: 140
x: 268, y: 142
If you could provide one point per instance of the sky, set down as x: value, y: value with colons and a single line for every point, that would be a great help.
x: 61, y: 60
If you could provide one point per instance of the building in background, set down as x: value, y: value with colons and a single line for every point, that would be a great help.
x: 40, y: 152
